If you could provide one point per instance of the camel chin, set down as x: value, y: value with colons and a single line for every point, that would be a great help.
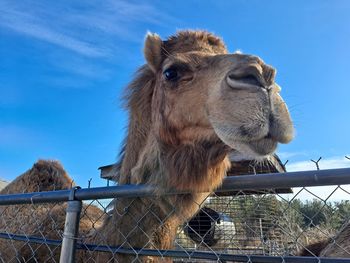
x: 258, y: 149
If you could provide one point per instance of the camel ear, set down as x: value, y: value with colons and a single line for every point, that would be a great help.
x: 153, y: 51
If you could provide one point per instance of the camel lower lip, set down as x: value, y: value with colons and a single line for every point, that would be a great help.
x: 264, y: 146
x: 255, y: 149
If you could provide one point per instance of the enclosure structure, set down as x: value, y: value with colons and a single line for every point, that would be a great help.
x: 229, y: 221
x: 222, y: 221
x: 281, y: 215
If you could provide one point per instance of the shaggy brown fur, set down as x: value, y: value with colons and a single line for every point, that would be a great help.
x: 43, y: 176
x: 314, y: 249
x: 338, y: 246
x: 188, y: 106
x: 42, y: 220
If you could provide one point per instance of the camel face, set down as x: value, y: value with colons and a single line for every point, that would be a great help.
x: 245, y: 108
x: 209, y: 95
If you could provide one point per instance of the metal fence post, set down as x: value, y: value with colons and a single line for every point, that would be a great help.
x: 71, y: 228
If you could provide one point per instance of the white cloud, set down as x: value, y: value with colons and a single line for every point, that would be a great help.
x: 84, y: 39
x: 30, y: 25
x: 330, y: 193
x: 324, y: 163
x: 4, y: 177
x: 90, y: 29
x: 288, y: 155
x: 80, y: 66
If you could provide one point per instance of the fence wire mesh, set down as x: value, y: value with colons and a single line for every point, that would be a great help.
x: 255, y: 225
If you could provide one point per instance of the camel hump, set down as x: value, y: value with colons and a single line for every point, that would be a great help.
x: 45, y: 175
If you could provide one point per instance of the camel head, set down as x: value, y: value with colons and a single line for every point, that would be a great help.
x: 202, y: 93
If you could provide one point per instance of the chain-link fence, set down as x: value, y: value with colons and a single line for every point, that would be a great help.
x: 247, y: 220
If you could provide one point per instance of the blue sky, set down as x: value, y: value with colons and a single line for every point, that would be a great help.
x: 64, y: 65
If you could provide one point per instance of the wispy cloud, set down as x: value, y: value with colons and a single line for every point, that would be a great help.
x: 326, y: 163
x: 4, y: 175
x: 82, y: 67
x: 83, y: 41
x: 33, y: 26
x: 87, y: 28
x: 287, y: 155
x: 330, y: 193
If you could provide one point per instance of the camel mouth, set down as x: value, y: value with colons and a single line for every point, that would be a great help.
x: 256, y: 149
x: 264, y: 146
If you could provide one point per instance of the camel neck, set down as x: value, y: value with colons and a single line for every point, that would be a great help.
x: 199, y: 166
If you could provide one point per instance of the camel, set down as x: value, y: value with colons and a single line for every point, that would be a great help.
x: 42, y: 220
x: 337, y: 246
x: 189, y: 106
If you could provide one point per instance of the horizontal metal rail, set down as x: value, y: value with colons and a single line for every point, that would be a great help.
x: 193, y: 254
x: 232, y: 183
x: 31, y: 239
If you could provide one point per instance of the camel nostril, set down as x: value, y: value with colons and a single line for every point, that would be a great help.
x: 250, y: 79
x: 246, y: 81
x: 269, y: 74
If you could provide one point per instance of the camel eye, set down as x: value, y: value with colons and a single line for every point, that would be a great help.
x: 171, y: 74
